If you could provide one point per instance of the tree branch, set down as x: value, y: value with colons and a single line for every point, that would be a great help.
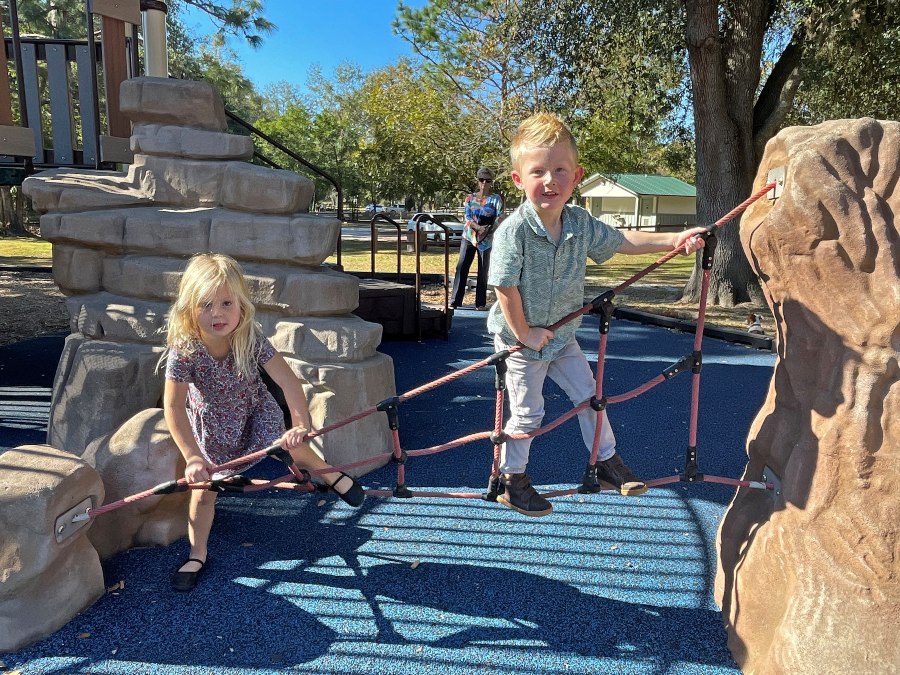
x: 777, y: 95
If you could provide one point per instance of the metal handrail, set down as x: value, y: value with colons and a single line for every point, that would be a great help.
x: 293, y: 155
x: 418, y: 273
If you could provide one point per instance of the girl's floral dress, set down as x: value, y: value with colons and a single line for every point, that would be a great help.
x: 230, y: 415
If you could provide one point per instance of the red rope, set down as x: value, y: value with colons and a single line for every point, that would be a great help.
x: 182, y: 484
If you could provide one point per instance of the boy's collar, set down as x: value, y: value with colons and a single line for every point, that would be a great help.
x: 534, y: 221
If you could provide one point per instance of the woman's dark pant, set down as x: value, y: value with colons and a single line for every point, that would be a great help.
x: 467, y: 251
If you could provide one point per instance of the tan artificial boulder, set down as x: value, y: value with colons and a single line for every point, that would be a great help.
x: 137, y: 456
x: 167, y: 101
x: 809, y: 578
x: 336, y: 391
x: 49, y: 571
x: 175, y: 141
x: 98, y: 385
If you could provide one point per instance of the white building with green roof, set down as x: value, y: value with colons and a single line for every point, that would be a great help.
x: 631, y: 201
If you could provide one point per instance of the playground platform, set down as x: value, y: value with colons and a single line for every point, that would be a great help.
x: 303, y: 583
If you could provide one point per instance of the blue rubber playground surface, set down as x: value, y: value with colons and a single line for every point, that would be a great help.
x: 303, y: 583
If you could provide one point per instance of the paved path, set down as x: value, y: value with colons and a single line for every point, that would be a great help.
x: 603, y: 585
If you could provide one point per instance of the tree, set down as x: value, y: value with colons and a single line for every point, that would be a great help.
x: 241, y: 18
x: 483, y: 53
x: 747, y: 60
x: 473, y: 47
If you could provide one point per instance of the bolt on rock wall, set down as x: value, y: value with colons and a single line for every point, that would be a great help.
x: 809, y: 579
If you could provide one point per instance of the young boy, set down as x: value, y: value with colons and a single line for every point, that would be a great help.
x: 538, y: 268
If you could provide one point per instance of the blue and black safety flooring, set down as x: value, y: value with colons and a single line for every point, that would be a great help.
x: 303, y: 583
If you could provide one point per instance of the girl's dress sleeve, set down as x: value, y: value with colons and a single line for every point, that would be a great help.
x: 179, y: 366
x: 264, y: 351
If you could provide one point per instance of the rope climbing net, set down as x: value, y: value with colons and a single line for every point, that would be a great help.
x: 602, y: 306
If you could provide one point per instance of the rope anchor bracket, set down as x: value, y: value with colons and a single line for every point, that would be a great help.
x: 603, y: 306
x: 694, y: 361
x: 72, y: 520
x: 777, y: 175
x: 389, y: 406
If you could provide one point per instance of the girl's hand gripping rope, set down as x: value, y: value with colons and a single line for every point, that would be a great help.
x: 196, y: 469
x: 293, y: 437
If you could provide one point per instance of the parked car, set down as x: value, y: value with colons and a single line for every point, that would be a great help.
x: 433, y: 233
x: 390, y: 211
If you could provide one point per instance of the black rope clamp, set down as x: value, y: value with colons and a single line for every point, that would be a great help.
x: 169, y: 487
x: 495, y: 488
x: 402, y: 491
x: 500, y: 374
x: 282, y: 455
x: 602, y: 306
x: 235, y: 483
x: 389, y: 406
x: 304, y: 478
x: 598, y: 404
x: 709, y: 249
x: 401, y: 459
x: 497, y: 357
x: 691, y: 474
x: 698, y: 362
x: 589, y: 481
x: 679, y: 367
x: 499, y: 437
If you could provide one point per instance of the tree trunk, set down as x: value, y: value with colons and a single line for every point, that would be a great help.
x: 12, y: 210
x: 724, y: 78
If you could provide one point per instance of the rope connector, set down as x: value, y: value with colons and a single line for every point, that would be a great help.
x: 235, y: 483
x: 698, y: 362
x: 389, y: 406
x: 602, y: 306
x: 401, y: 458
x: 282, y: 455
x: 497, y: 357
x: 402, y: 491
x: 679, y: 367
x: 499, y: 437
x: 500, y: 374
x: 709, y: 248
x: 598, y: 404
x: 590, y: 484
x: 495, y: 488
x: 169, y: 487
x: 691, y: 473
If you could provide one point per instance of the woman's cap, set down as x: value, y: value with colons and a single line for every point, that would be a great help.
x: 485, y: 172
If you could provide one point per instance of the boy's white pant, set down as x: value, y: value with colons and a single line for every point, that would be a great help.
x: 525, y: 389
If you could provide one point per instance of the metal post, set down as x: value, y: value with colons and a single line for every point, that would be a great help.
x: 156, y: 60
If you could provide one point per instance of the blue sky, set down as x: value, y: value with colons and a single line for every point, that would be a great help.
x: 327, y: 33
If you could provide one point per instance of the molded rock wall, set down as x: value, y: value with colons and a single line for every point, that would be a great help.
x: 809, y: 578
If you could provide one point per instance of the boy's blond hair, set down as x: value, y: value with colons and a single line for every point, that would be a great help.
x: 203, y: 276
x: 540, y: 131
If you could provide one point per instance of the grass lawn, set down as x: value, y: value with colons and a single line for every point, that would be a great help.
x: 25, y: 251
x: 658, y: 292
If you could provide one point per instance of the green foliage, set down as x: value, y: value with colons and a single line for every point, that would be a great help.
x: 241, y: 18
x: 851, y: 65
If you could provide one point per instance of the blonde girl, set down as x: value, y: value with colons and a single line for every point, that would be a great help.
x: 216, y: 404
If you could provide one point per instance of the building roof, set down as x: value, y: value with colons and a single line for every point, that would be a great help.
x: 642, y: 184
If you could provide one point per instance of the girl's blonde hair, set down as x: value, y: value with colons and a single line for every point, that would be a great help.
x: 204, y: 275
x: 540, y: 131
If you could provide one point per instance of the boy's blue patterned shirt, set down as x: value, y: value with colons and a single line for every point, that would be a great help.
x: 550, y: 277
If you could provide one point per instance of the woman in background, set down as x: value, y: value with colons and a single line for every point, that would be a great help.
x: 482, y: 210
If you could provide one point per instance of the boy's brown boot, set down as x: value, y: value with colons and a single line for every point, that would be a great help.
x: 614, y: 474
x: 519, y: 495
